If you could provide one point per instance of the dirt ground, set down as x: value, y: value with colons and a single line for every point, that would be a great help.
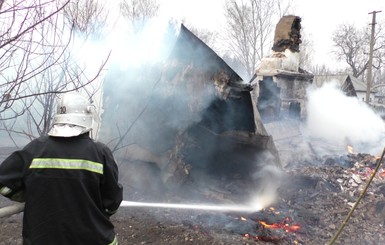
x: 313, y: 200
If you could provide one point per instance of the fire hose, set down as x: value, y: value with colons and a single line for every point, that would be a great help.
x: 18, y: 208
x: 11, y: 210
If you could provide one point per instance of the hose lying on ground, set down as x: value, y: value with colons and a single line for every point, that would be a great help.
x: 11, y: 210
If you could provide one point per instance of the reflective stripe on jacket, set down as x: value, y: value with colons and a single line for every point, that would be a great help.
x: 58, y: 163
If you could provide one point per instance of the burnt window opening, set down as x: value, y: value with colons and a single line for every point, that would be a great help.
x: 295, y: 110
x: 217, y: 150
x: 269, y: 101
x: 230, y: 114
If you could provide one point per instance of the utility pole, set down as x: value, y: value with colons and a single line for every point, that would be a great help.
x: 370, y: 64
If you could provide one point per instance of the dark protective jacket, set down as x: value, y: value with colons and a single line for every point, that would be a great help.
x: 70, y: 188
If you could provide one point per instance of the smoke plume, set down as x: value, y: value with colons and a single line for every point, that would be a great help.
x: 342, y: 121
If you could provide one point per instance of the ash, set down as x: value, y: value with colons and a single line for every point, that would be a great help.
x: 314, y: 196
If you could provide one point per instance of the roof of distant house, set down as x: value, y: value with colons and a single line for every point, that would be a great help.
x: 343, y: 80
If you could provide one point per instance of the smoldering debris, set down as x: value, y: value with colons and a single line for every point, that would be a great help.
x: 312, y: 201
x: 334, y: 123
x: 197, y: 123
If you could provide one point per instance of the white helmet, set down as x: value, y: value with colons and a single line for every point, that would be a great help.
x: 73, y: 117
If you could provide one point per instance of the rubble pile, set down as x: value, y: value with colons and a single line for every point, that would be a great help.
x: 313, y: 201
x: 320, y: 194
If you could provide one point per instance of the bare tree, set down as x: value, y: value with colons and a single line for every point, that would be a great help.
x: 306, y: 51
x: 24, y: 50
x: 35, y: 64
x: 39, y: 109
x: 320, y: 69
x: 138, y: 12
x: 352, y: 46
x: 250, y: 28
x: 86, y: 16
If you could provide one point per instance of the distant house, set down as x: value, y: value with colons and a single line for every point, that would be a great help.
x: 379, y: 99
x: 349, y: 84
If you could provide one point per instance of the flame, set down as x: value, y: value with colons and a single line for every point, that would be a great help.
x: 350, y: 149
x: 282, y: 225
x: 287, y: 225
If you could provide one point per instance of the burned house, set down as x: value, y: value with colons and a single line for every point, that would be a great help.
x: 279, y: 90
x: 199, y: 117
x: 280, y: 84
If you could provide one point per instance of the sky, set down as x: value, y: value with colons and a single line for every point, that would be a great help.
x: 319, y: 18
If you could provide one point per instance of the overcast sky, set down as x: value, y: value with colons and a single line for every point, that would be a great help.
x: 319, y: 17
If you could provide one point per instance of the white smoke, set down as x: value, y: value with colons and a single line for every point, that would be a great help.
x: 269, y: 179
x: 340, y: 121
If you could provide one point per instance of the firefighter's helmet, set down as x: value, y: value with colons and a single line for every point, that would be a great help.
x: 74, y: 115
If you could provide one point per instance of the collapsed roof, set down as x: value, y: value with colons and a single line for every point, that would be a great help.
x: 203, y: 118
x: 228, y: 132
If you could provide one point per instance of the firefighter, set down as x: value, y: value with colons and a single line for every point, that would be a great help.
x: 69, y: 182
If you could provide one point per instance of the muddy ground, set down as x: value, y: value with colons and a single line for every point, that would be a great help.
x: 313, y: 200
